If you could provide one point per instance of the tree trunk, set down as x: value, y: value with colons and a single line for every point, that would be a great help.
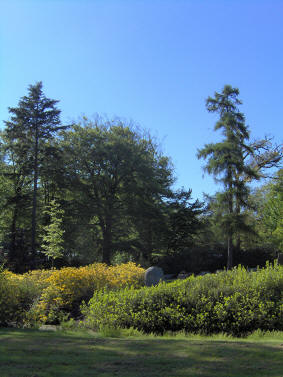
x: 34, y: 201
x: 107, y: 245
x: 238, y: 244
x: 230, y: 231
x: 229, y: 253
x: 12, y: 255
x: 238, y: 237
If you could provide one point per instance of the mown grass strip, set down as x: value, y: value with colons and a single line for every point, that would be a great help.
x: 33, y: 353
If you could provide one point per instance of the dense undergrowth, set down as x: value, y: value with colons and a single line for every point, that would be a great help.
x: 234, y: 302
x: 50, y: 296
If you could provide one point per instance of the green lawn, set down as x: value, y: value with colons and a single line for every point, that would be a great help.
x: 34, y: 353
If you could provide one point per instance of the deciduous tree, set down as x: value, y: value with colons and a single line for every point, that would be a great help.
x: 52, y: 245
x: 116, y: 175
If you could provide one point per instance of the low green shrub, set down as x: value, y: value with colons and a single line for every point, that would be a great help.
x: 8, y: 300
x: 234, y: 302
x: 16, y: 297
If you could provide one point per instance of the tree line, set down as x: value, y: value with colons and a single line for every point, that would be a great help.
x: 101, y: 190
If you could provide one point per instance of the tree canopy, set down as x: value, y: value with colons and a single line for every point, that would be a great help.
x: 102, y: 190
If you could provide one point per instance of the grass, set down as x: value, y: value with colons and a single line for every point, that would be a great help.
x: 34, y: 353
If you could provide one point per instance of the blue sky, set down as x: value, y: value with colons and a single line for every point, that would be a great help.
x: 153, y: 62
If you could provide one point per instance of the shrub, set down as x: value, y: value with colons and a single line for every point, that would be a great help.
x: 9, y: 299
x: 68, y: 287
x: 235, y: 302
x: 18, y: 293
x: 50, y: 296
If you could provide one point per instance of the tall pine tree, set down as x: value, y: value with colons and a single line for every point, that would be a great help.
x: 226, y: 161
x: 33, y: 122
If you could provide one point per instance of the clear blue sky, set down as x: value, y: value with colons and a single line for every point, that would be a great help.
x: 152, y: 61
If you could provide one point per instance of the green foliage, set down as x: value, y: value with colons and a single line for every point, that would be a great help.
x: 52, y: 296
x: 265, y: 216
x: 16, y: 297
x: 32, y: 124
x: 115, y: 188
x: 53, y: 238
x: 117, y: 179
x: 272, y: 211
x: 234, y: 302
x: 226, y: 162
x: 8, y: 301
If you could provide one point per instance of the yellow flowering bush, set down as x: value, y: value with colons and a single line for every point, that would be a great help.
x: 48, y: 296
x: 38, y: 278
x: 69, y: 287
x: 126, y: 274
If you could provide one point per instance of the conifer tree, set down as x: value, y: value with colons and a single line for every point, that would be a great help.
x: 226, y: 160
x: 32, y: 123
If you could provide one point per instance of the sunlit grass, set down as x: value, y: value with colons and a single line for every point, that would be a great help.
x: 128, y: 353
x: 258, y: 335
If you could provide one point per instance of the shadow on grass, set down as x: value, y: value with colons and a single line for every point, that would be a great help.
x: 32, y: 353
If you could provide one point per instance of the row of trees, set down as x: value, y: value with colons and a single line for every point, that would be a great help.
x: 102, y: 190
x: 110, y: 180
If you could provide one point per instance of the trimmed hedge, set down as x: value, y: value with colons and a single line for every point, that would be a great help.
x: 235, y: 302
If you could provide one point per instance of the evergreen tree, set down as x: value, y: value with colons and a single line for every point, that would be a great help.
x: 16, y: 197
x: 265, y: 157
x: 32, y: 123
x: 226, y: 161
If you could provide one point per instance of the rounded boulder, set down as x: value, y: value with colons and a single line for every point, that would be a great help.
x: 153, y: 275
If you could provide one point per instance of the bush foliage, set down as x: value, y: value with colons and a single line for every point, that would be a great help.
x: 235, y: 302
x: 48, y: 296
